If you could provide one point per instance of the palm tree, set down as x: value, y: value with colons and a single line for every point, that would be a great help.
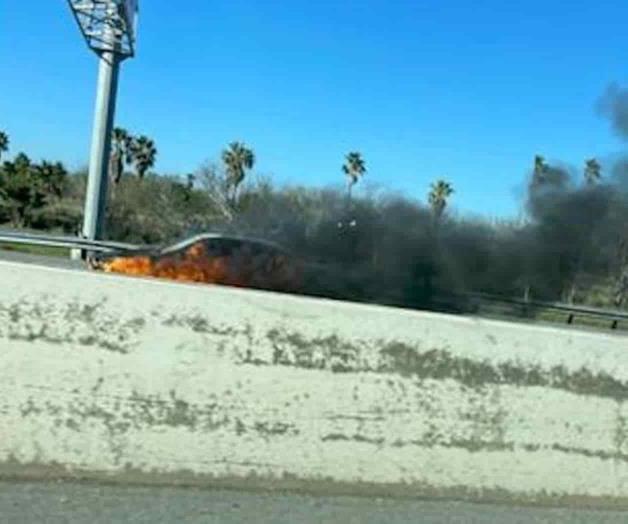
x: 190, y: 181
x: 238, y: 159
x: 51, y: 177
x: 143, y: 154
x: 592, y: 171
x: 120, y: 153
x: 440, y: 191
x: 540, y: 169
x: 4, y: 142
x: 354, y: 168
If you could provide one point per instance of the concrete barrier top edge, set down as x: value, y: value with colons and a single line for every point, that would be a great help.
x: 345, y: 306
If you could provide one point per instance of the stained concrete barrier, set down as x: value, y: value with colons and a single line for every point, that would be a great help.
x: 125, y: 379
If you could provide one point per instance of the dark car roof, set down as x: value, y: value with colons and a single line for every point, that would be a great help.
x: 222, y: 241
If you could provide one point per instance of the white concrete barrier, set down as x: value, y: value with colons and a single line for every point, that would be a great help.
x: 142, y: 380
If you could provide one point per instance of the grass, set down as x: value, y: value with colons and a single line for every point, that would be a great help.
x: 36, y: 250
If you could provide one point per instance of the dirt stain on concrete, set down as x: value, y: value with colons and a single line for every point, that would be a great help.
x: 336, y: 355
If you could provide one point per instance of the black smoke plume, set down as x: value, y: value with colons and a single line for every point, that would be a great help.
x: 572, y: 246
x: 614, y: 105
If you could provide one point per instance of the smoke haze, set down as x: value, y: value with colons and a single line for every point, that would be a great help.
x: 614, y: 105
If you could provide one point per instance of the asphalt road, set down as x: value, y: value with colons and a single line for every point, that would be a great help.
x: 72, y: 503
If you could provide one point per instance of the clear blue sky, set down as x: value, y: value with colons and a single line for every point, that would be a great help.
x: 465, y: 90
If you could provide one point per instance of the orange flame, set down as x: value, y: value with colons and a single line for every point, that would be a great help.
x: 241, y: 269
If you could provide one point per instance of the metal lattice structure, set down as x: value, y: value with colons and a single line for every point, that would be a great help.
x: 107, y: 25
x: 109, y: 28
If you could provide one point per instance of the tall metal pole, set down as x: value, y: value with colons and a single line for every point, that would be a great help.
x: 108, y: 27
x: 98, y: 178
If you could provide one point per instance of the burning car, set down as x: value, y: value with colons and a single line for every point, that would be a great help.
x: 207, y: 258
x: 211, y: 259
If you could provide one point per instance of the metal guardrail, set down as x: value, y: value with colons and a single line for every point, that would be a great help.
x: 571, y: 312
x: 109, y: 247
x: 64, y: 242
